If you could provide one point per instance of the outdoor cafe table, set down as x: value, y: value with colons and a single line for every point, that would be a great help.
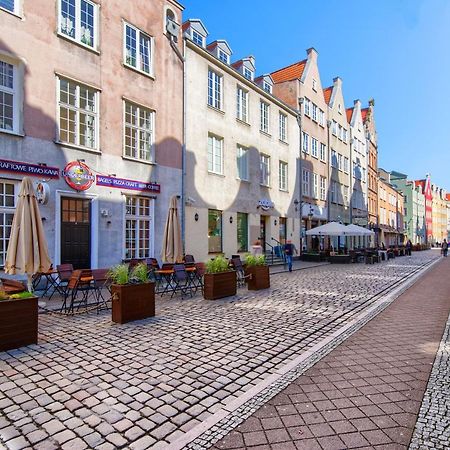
x: 51, y: 281
x: 168, y: 276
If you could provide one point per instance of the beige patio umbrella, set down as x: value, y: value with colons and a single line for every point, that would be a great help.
x: 27, y: 248
x: 172, y: 246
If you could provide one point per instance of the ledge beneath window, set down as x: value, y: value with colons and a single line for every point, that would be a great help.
x: 216, y: 109
x: 12, y: 13
x: 221, y: 175
x: 80, y: 44
x: 141, y: 72
x: 265, y: 133
x: 12, y: 133
x: 142, y: 161
x: 242, y: 122
x: 78, y: 147
x: 283, y: 142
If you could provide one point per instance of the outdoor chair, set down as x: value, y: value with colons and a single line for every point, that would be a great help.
x: 200, y: 270
x: 236, y: 264
x: 189, y: 261
x: 79, y: 282
x: 64, y: 273
x: 99, y: 284
x: 181, y: 281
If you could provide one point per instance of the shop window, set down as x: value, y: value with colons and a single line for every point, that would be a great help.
x: 242, y: 232
x: 8, y: 197
x: 138, y: 227
x: 214, y: 231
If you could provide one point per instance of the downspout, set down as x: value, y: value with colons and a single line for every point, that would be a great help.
x: 299, y: 122
x: 329, y: 172
x: 183, y: 145
x: 351, y: 175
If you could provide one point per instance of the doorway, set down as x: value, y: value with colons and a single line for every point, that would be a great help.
x: 262, y: 232
x: 283, y: 230
x: 76, y: 232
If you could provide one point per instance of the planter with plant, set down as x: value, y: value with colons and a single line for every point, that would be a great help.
x: 133, y: 294
x: 18, y: 319
x: 257, y: 272
x: 219, y: 279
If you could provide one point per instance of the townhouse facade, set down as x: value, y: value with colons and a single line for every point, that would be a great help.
x: 299, y: 86
x: 439, y: 215
x: 447, y: 197
x: 241, y: 153
x: 92, y: 121
x: 424, y: 186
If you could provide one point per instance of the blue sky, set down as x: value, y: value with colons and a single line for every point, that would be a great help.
x: 396, y: 51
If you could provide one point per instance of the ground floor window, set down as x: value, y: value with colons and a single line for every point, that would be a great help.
x: 138, y: 227
x: 242, y: 232
x: 8, y: 197
x: 214, y: 231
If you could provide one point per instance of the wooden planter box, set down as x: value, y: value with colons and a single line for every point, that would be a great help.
x: 132, y: 302
x: 18, y: 323
x: 219, y: 285
x: 339, y: 259
x: 259, y: 278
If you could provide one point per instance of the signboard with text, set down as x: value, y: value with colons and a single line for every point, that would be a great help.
x: 34, y: 170
x: 123, y: 183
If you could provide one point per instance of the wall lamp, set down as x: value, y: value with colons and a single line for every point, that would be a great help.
x: 275, y: 222
x: 231, y: 219
x: 196, y: 217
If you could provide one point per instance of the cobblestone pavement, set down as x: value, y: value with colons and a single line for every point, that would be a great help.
x: 433, y: 425
x: 90, y: 383
x: 367, y: 392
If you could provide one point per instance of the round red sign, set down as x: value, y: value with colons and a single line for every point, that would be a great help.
x: 78, y: 176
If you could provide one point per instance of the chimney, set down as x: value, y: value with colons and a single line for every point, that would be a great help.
x: 337, y: 82
x: 312, y: 53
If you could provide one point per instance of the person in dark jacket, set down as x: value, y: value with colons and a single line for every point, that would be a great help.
x: 289, y: 250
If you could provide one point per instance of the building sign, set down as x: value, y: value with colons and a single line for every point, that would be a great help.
x: 42, y: 193
x: 78, y: 176
x: 34, y: 170
x: 265, y: 204
x: 122, y: 183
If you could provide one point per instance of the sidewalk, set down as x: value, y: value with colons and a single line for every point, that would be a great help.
x: 368, y: 391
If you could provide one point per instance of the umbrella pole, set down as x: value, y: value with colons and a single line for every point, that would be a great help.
x: 29, y: 282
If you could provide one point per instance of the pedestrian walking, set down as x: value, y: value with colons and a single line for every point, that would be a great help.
x: 289, y: 250
x: 444, y: 247
x: 408, y: 247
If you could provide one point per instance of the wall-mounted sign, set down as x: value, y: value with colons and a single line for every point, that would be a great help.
x: 34, y: 170
x: 42, y: 192
x: 265, y: 204
x: 122, y: 183
x: 78, y: 176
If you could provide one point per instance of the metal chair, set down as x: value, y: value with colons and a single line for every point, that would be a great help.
x: 236, y: 264
x: 182, y: 281
x: 99, y: 283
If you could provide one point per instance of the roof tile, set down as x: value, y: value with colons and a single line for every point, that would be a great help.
x: 292, y: 72
x: 327, y: 94
x: 349, y: 114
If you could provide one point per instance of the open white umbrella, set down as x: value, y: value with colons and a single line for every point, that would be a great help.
x: 172, y: 247
x: 27, y: 248
x: 356, y: 230
x: 329, y: 229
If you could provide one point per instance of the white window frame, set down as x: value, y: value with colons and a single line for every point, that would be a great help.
x: 138, y: 132
x: 139, y: 218
x: 264, y: 114
x: 14, y: 91
x: 307, y: 107
x: 242, y: 104
x: 223, y: 56
x: 305, y: 142
x: 138, y: 50
x: 215, y: 92
x: 15, y: 9
x: 215, y: 151
x: 334, y: 159
x: 323, y: 188
x: 264, y: 165
x: 333, y: 192
x: 346, y: 195
x: 314, y: 112
x: 334, y: 128
x: 314, y: 85
x: 283, y: 121
x: 242, y: 158
x: 323, y: 152
x: 314, y: 147
x: 306, y: 183
x: 267, y: 87
x: 346, y: 164
x: 315, y: 185
x: 196, y: 37
x: 77, y: 110
x: 78, y: 37
x: 321, y: 118
x: 8, y: 210
x: 283, y: 176
x: 248, y: 73
x: 340, y: 161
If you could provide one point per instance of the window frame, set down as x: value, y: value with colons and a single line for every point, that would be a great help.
x: 305, y: 142
x: 314, y: 115
x: 264, y: 167
x: 223, y: 56
x: 4, y: 210
x: 195, y: 35
x: 213, y: 100
x: 314, y: 148
x: 238, y: 160
x: 283, y: 123
x: 211, y: 163
x: 77, y: 38
x: 323, y: 188
x: 14, y: 92
x: 323, y: 152
x: 264, y: 117
x: 139, y: 32
x: 315, y: 185
x: 248, y: 73
x: 306, y: 183
x: 307, y: 107
x: 283, y: 176
x: 15, y: 10
x: 242, y: 100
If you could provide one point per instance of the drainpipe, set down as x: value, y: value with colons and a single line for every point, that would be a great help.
x: 329, y: 172
x: 351, y: 175
x: 183, y: 145
x: 299, y: 122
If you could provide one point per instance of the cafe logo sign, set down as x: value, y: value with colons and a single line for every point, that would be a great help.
x: 265, y: 204
x: 78, y: 176
x: 42, y: 193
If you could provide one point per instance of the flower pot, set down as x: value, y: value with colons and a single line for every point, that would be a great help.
x: 18, y: 323
x: 132, y: 302
x: 219, y: 285
x: 259, y: 278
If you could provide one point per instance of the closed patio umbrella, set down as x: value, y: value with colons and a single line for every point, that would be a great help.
x: 27, y: 248
x: 172, y: 247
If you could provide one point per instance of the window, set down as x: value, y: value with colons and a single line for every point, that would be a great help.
x: 242, y: 162
x: 138, y: 227
x: 242, y: 232
x: 344, y: 135
x: 223, y: 56
x: 8, y: 196
x: 198, y: 38
x: 306, y: 183
x: 314, y: 112
x: 8, y: 97
x: 78, y: 114
x: 267, y: 87
x: 323, y: 188
x: 314, y: 148
x: 334, y: 160
x: 307, y: 107
x: 315, y: 185
x: 323, y: 152
x: 321, y: 118
x: 305, y: 145
x: 265, y: 170
x: 283, y: 176
x: 334, y: 127
x: 9, y: 5
x: 215, y: 154
x: 340, y: 164
x: 138, y: 49
x: 242, y: 104
x: 78, y: 20
x: 248, y: 73
x: 346, y: 195
x: 346, y: 165
x: 339, y: 132
x: 214, y: 89
x: 314, y: 84
x: 264, y: 117
x: 334, y: 192
x: 214, y: 231
x: 283, y: 127
x: 139, y: 132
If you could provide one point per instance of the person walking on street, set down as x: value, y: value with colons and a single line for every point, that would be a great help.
x: 408, y: 247
x: 444, y: 247
x: 289, y: 250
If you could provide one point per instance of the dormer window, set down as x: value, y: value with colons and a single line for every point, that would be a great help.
x: 198, y: 38
x: 248, y: 74
x: 267, y: 87
x: 223, y: 56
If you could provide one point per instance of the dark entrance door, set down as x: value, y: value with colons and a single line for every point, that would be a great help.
x: 262, y: 233
x: 76, y: 232
x: 283, y: 230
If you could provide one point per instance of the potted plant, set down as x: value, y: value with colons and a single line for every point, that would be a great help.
x: 219, y: 279
x: 18, y: 320
x: 133, y: 294
x: 257, y: 271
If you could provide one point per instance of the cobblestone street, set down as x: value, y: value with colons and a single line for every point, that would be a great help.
x: 90, y: 383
